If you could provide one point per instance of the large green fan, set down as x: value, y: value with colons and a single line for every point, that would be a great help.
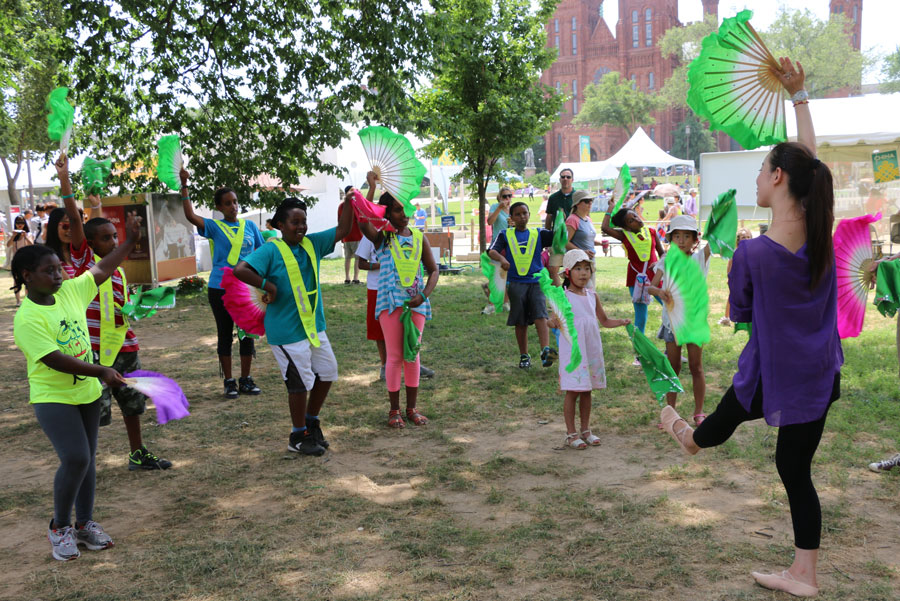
x: 660, y: 375
x: 94, y: 174
x: 560, y: 233
x: 721, y: 229
x: 623, y: 185
x: 689, y: 310
x: 733, y: 85
x: 169, y: 162
x: 560, y: 306
x: 61, y: 118
x: 496, y: 285
x: 394, y: 161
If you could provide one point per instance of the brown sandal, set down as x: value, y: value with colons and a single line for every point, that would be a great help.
x: 395, y: 420
x: 413, y: 415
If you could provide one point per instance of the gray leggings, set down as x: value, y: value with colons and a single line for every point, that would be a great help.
x: 72, y: 429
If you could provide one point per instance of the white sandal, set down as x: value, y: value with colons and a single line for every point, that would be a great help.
x: 573, y: 441
x: 590, y: 438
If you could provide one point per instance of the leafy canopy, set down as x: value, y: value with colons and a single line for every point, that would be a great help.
x: 484, y: 101
x: 891, y: 72
x: 617, y: 102
x: 252, y: 86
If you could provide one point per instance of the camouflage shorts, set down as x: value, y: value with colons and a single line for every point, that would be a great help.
x: 131, y: 402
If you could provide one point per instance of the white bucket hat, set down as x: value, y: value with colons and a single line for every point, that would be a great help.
x: 574, y: 257
x: 682, y: 222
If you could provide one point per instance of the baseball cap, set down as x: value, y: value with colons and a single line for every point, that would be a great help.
x: 574, y: 257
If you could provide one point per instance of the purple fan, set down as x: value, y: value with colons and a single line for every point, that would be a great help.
x: 165, y: 393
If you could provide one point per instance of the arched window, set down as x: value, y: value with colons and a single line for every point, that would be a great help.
x: 635, y: 36
x: 648, y: 14
x: 557, y: 41
x: 574, y: 96
x: 855, y: 13
x: 634, y: 16
x: 574, y: 43
x: 556, y: 25
x: 648, y: 34
x: 651, y: 82
x: 633, y: 81
x: 653, y: 134
x: 574, y: 24
x: 599, y: 73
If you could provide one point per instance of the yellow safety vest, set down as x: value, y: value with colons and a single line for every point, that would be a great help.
x: 236, y: 239
x: 521, y: 258
x: 111, y: 337
x: 641, y: 247
x: 407, y: 261
x: 305, y: 307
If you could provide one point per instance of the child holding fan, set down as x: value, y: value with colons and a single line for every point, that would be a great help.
x: 287, y: 269
x: 591, y: 373
x: 522, y: 247
x: 230, y: 240
x: 684, y: 234
x: 401, y: 254
x: 51, y: 329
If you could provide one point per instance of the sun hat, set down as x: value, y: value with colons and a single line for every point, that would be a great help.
x: 670, y: 200
x: 574, y: 257
x: 682, y: 222
x: 581, y: 196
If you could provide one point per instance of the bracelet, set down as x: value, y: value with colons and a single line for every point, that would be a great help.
x: 800, y: 97
x: 263, y: 285
x: 798, y: 103
x: 185, y: 198
x: 68, y: 196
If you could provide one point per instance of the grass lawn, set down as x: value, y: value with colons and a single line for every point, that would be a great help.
x: 481, y: 504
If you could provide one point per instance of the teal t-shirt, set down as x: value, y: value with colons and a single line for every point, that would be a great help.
x: 282, y: 321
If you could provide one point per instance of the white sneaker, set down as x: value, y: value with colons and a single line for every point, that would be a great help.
x: 886, y: 465
x: 63, y: 545
x: 506, y: 307
x: 489, y: 310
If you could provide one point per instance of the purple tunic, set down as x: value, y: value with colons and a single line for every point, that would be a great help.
x: 794, y: 349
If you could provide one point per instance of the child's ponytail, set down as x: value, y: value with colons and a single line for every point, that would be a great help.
x: 810, y: 183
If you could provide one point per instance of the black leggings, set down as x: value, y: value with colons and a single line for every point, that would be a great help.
x: 225, y: 325
x: 72, y: 429
x: 797, y: 443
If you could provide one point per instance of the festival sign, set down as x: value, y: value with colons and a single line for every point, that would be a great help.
x: 584, y: 147
x: 885, y: 166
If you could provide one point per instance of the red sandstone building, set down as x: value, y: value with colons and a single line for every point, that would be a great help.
x: 588, y: 50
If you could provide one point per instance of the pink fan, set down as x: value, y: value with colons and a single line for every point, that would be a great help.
x: 371, y: 212
x: 165, y: 393
x: 853, y: 257
x: 244, y: 303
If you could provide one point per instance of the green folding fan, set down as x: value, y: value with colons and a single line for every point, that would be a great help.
x: 94, y: 174
x: 61, y: 118
x: 394, y: 161
x: 560, y: 233
x: 496, y: 285
x: 689, y: 309
x: 721, y: 229
x: 734, y: 86
x: 623, y: 185
x: 660, y: 375
x: 169, y: 162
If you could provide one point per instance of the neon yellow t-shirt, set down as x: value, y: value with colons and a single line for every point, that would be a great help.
x: 39, y: 330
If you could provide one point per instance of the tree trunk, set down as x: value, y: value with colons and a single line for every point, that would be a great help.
x: 482, y: 219
x: 11, y: 182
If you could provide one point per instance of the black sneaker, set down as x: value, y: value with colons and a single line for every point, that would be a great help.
x: 315, y: 430
x: 425, y: 372
x: 524, y: 361
x: 142, y: 459
x: 246, y: 385
x: 304, y: 443
x: 546, y: 357
x: 231, y: 388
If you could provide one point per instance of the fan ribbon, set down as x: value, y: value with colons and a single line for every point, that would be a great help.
x: 144, y: 303
x: 623, y: 185
x: 305, y: 308
x: 721, y: 229
x: 660, y: 375
x: 94, y: 174
x: 560, y: 234
x: 61, y: 117
x: 169, y: 151
x: 371, y: 212
x: 411, y: 335
x: 522, y: 258
x: 490, y: 269
x: 166, y: 394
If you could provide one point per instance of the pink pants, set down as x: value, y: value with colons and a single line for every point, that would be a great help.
x: 393, y: 341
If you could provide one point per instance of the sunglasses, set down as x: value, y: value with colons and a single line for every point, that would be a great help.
x: 565, y: 177
x: 506, y: 196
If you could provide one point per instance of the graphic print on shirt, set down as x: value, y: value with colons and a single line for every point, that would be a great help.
x: 72, y: 339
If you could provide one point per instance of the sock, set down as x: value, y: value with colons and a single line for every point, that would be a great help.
x: 555, y: 334
x: 294, y: 429
x: 312, y: 417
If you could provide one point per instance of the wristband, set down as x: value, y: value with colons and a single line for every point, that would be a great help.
x: 263, y: 285
x: 800, y: 97
x: 68, y: 196
x: 185, y: 198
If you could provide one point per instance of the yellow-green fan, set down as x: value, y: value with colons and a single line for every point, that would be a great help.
x: 734, y: 85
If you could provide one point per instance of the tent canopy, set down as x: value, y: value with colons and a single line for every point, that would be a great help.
x: 639, y: 151
x: 851, y: 129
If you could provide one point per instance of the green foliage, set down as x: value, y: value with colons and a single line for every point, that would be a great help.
x: 617, y: 102
x: 701, y: 139
x: 484, y: 102
x: 822, y: 47
x: 251, y: 87
x: 539, y: 180
x: 891, y: 72
x: 683, y: 44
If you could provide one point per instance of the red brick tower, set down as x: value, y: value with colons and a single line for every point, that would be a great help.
x: 711, y: 7
x: 852, y: 11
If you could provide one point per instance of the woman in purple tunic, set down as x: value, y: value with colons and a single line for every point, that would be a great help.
x: 789, y: 373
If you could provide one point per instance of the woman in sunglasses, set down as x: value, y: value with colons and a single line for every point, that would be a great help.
x: 64, y: 235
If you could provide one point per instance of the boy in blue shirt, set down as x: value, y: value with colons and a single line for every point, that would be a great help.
x: 522, y: 260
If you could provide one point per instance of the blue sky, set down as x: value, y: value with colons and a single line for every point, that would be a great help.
x: 879, y: 19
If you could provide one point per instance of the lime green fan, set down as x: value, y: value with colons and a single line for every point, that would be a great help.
x: 721, y: 229
x: 394, y: 161
x: 169, y: 162
x: 622, y: 187
x: 689, y: 309
x: 94, y: 174
x: 734, y: 86
x: 61, y: 118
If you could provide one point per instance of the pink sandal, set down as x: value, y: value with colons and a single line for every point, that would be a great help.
x: 698, y: 418
x: 413, y: 415
x: 395, y: 420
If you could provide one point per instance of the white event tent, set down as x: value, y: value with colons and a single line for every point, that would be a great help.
x: 639, y: 151
x: 851, y: 129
